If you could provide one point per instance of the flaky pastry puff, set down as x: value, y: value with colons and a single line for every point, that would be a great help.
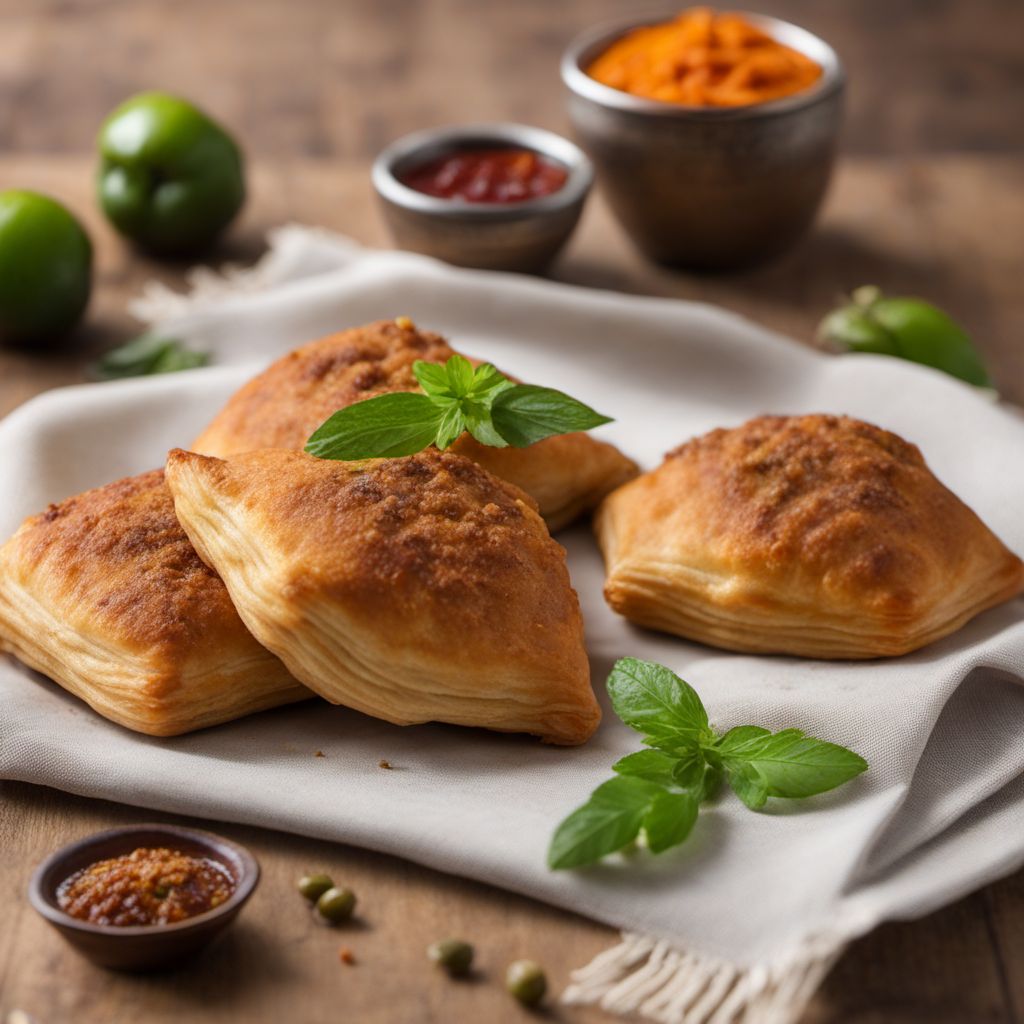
x: 819, y: 536
x: 566, y: 475
x: 413, y: 589
x: 105, y: 595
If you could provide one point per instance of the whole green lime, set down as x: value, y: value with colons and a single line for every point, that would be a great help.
x: 45, y: 269
x: 171, y: 179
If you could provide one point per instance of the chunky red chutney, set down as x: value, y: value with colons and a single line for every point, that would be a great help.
x: 487, y: 176
x: 146, y: 886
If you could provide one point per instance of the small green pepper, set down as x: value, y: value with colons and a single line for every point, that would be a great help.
x: 45, y: 269
x: 336, y: 905
x: 527, y: 981
x: 454, y: 955
x: 907, y: 328
x: 314, y: 886
x: 170, y: 179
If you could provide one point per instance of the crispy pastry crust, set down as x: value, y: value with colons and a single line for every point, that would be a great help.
x: 820, y: 536
x: 105, y: 594
x: 414, y: 589
x: 566, y: 475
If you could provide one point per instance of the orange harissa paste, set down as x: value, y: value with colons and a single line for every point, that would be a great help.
x: 704, y: 59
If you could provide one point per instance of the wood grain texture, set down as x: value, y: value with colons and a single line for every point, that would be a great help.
x: 930, y: 200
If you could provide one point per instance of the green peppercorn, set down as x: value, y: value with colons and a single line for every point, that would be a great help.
x: 314, y: 886
x: 336, y: 905
x: 454, y: 955
x: 526, y: 981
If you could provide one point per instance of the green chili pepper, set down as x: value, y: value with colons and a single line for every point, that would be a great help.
x: 907, y: 328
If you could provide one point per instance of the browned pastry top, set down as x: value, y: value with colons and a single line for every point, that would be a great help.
x: 119, y: 551
x: 282, y: 406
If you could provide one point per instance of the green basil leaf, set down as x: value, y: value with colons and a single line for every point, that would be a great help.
x: 383, y: 427
x: 524, y: 414
x: 607, y: 822
x: 487, y: 381
x: 652, y: 765
x: 653, y: 700
x: 713, y: 774
x: 670, y: 819
x: 453, y: 423
x: 176, y: 358
x: 747, y: 784
x: 481, y: 427
x: 688, y: 770
x: 792, y: 765
x: 433, y: 378
x: 460, y: 375
x: 740, y: 738
x: 147, y: 354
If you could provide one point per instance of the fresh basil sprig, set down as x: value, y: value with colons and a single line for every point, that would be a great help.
x: 455, y: 398
x: 658, y: 791
x: 148, y: 354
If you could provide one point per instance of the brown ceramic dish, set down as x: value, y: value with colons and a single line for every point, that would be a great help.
x: 147, y: 947
x: 523, y: 236
x: 709, y: 188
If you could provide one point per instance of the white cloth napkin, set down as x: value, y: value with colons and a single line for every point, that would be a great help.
x: 749, y: 913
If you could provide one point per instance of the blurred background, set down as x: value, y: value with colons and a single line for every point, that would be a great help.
x: 928, y: 199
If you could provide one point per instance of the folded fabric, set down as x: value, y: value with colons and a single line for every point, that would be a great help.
x: 748, y: 914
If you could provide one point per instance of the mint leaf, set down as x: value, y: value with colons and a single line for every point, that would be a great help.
x: 453, y: 423
x: 747, y: 785
x: 787, y: 764
x: 609, y: 820
x: 688, y: 770
x: 524, y: 414
x: 487, y: 381
x: 176, y: 357
x: 480, y: 426
x: 456, y: 398
x: 657, y: 703
x: 652, y: 765
x: 433, y: 378
x: 670, y: 819
x: 660, y: 790
x: 147, y: 354
x: 460, y: 375
x: 713, y: 774
x: 383, y: 427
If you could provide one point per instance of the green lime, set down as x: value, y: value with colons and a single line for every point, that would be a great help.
x: 45, y: 269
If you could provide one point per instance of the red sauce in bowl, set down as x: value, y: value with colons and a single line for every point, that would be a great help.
x: 487, y: 176
x: 145, y: 887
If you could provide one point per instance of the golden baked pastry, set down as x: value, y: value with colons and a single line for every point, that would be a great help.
x: 567, y: 475
x: 820, y: 536
x: 413, y: 589
x: 104, y: 594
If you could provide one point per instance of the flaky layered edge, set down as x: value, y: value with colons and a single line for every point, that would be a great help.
x: 321, y: 646
x: 128, y: 689
x: 674, y: 598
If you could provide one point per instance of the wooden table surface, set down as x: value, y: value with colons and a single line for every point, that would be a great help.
x: 929, y: 199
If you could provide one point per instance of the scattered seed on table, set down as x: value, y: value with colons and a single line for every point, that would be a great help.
x: 526, y: 981
x: 454, y: 955
x: 336, y: 905
x: 314, y: 886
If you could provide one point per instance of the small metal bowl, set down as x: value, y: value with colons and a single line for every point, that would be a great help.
x: 523, y: 236
x: 709, y: 188
x: 142, y: 947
